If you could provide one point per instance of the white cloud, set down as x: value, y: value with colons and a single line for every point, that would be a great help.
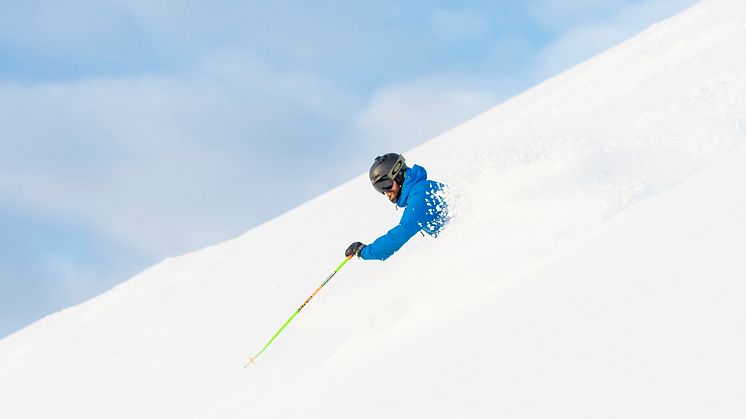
x: 458, y: 25
x: 583, y: 40
x: 564, y: 14
x: 403, y: 115
x: 163, y: 164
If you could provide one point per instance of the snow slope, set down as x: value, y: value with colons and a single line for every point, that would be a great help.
x: 595, y: 268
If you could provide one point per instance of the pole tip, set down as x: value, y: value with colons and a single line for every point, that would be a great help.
x: 252, y: 362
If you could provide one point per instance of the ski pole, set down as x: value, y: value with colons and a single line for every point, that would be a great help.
x: 252, y: 359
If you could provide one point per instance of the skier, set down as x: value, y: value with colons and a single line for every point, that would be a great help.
x: 409, y: 188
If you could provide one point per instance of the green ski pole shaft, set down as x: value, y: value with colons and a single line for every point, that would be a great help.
x: 252, y: 359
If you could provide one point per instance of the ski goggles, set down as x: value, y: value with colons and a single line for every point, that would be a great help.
x: 383, y: 185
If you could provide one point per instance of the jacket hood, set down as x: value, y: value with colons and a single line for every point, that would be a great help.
x: 413, y: 176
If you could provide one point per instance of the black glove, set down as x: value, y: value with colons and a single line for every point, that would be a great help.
x: 354, y: 249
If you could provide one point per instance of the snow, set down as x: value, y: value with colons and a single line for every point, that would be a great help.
x: 594, y: 268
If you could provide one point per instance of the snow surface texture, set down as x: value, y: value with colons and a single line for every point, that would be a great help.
x: 595, y: 269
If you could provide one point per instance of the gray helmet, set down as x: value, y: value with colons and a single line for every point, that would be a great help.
x: 387, y: 169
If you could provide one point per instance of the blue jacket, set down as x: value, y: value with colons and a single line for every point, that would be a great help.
x: 426, y: 210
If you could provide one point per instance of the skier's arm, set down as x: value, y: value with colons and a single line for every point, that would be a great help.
x: 393, y: 240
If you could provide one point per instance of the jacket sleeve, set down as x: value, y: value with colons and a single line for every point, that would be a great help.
x: 395, y: 238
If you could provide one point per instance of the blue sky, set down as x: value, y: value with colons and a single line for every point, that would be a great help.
x: 133, y: 130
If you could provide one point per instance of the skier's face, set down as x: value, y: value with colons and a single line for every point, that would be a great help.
x: 393, y: 193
